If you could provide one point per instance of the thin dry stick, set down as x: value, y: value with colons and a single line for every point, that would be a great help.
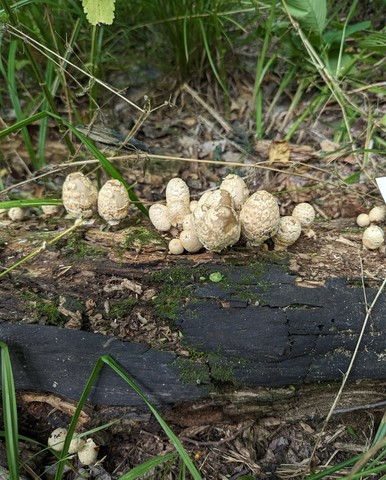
x: 346, y: 375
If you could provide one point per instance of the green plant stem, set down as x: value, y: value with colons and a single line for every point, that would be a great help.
x: 314, y: 106
x: 39, y: 77
x: 260, y: 70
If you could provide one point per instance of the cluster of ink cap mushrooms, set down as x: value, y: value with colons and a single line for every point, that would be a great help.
x: 218, y: 220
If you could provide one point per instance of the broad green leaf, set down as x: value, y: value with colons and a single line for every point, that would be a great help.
x: 335, y: 36
x: 311, y: 14
x: 99, y: 11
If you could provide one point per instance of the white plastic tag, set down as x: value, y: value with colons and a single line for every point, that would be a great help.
x: 381, y: 182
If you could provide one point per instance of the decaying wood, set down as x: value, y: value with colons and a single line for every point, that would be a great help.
x: 273, y: 336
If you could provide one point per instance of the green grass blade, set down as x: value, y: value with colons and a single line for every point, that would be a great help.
x: 9, y: 413
x: 30, y: 202
x: 145, y: 467
x: 172, y: 437
x: 22, y: 123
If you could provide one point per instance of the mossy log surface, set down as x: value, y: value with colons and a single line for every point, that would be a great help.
x: 271, y: 329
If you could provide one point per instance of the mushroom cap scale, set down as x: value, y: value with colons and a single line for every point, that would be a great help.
x: 79, y: 195
x: 259, y: 217
x: 113, y: 202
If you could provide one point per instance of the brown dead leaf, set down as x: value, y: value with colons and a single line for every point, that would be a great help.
x: 279, y: 152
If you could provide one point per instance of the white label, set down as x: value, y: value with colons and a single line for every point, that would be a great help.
x: 381, y: 182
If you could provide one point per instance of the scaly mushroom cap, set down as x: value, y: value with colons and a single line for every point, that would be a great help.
x: 373, y: 237
x: 237, y: 188
x: 259, y: 217
x: 305, y: 213
x: 289, y: 231
x: 79, y: 195
x: 113, y: 202
x: 377, y: 214
x: 159, y: 217
x: 177, y: 191
x: 219, y: 228
x: 211, y: 199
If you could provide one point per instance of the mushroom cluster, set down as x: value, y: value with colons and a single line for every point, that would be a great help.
x: 373, y: 235
x: 81, y: 198
x: 87, y: 450
x: 220, y: 218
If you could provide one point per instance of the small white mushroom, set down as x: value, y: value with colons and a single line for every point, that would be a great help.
x: 377, y: 214
x: 79, y: 195
x: 50, y: 209
x: 76, y: 444
x: 219, y: 228
x: 363, y: 220
x: 159, y: 217
x: 289, y: 231
x: 373, y: 237
x: 177, y: 200
x: 113, y: 202
x: 88, y: 454
x: 259, y: 217
x: 175, y: 247
x: 237, y: 188
x: 211, y: 199
x: 16, y: 214
x: 56, y: 439
x: 305, y: 213
x: 190, y: 241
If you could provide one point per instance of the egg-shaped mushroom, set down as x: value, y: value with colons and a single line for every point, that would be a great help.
x: 79, y: 195
x: 175, y: 247
x: 289, y: 231
x: 159, y: 217
x: 373, y: 237
x: 177, y: 200
x: 237, y: 188
x: 190, y: 241
x: 16, y: 214
x: 377, y: 214
x: 56, y: 439
x: 363, y: 220
x: 113, y: 202
x: 305, y: 213
x: 259, y: 217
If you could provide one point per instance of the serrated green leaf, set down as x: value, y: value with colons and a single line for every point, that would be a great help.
x: 311, y: 14
x: 99, y: 11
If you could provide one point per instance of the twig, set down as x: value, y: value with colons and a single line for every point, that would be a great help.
x: 218, y: 442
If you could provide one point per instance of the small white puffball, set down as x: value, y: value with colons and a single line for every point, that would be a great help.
x: 363, y: 220
x: 76, y: 444
x: 175, y: 247
x: 305, y: 213
x: 177, y: 191
x: 190, y: 241
x: 16, y: 214
x: 193, y: 204
x: 50, y: 209
x: 56, y: 439
x: 159, y: 217
x: 88, y: 454
x: 373, y: 237
x: 377, y: 214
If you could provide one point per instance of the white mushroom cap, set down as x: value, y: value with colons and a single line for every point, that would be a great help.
x: 56, y: 439
x: 219, y: 228
x: 373, y: 237
x: 289, y: 231
x: 177, y: 212
x: 363, y: 220
x: 190, y: 241
x: 377, y: 214
x: 88, y: 454
x: 259, y: 217
x: 238, y: 189
x: 79, y: 195
x: 211, y: 199
x: 16, y: 214
x: 159, y: 217
x: 76, y: 444
x: 113, y: 202
x: 177, y: 191
x: 175, y: 247
x: 305, y: 213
